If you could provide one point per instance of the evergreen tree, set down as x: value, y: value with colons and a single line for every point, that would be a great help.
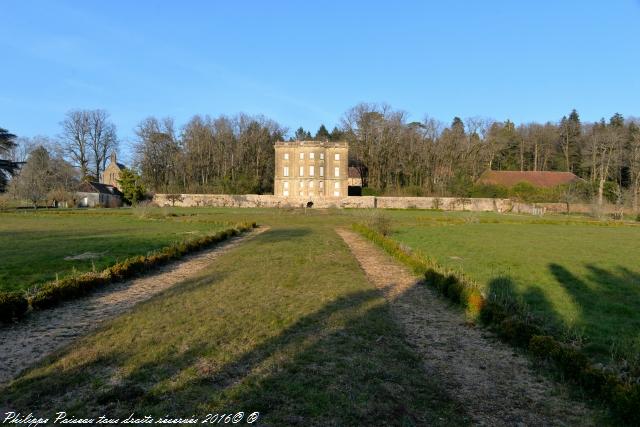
x: 616, y: 121
x: 7, y: 167
x: 322, y: 134
x: 131, y: 186
x: 336, y: 134
x: 570, y: 140
x: 302, y: 135
x: 457, y: 126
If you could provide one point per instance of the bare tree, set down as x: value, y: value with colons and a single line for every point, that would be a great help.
x: 633, y: 153
x: 32, y: 183
x: 102, y: 139
x: 76, y: 131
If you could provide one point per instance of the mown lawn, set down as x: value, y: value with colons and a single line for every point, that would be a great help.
x: 34, y: 245
x: 285, y: 324
x: 577, y: 273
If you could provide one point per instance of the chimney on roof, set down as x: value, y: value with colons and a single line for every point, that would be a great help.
x: 113, y: 157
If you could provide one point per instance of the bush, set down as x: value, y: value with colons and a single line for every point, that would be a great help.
x: 380, y: 222
x: 13, y: 305
x: 368, y: 191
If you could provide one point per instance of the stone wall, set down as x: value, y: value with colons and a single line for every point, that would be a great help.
x: 260, y: 201
x: 269, y: 201
x: 370, y: 202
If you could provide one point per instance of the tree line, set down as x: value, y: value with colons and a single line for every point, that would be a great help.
x: 234, y: 154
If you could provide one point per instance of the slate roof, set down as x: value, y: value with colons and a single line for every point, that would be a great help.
x: 98, y: 187
x: 537, y: 179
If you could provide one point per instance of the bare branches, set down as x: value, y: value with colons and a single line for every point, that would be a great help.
x: 88, y: 137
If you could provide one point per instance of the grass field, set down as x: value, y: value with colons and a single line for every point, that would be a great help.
x: 34, y: 245
x: 577, y: 273
x: 286, y: 324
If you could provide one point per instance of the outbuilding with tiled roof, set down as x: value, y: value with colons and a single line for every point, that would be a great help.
x: 540, y: 179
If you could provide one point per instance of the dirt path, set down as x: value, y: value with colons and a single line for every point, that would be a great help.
x: 494, y: 384
x: 43, y: 332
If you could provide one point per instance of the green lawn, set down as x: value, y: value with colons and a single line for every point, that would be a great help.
x: 285, y: 324
x: 578, y: 273
x: 33, y: 245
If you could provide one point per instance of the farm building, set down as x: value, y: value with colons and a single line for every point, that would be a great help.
x: 540, y: 179
x: 92, y: 194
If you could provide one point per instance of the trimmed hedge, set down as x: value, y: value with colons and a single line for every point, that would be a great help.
x: 512, y: 321
x: 55, y: 292
x: 13, y: 305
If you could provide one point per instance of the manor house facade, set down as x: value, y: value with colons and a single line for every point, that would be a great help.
x: 311, y: 169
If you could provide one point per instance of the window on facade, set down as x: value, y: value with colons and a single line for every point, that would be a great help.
x: 321, y: 185
x: 336, y: 185
x: 336, y: 193
x: 301, y: 170
x: 337, y: 156
x: 301, y: 184
x: 336, y: 172
x: 321, y: 156
x: 321, y: 170
x: 301, y: 193
x: 312, y: 156
x: 301, y: 156
x: 286, y: 156
x: 286, y: 185
x: 285, y: 171
x: 285, y: 193
x: 312, y: 171
x: 310, y: 184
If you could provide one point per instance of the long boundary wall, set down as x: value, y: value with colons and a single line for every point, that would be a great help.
x: 370, y: 202
x: 269, y: 201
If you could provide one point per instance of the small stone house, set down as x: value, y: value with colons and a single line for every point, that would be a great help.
x: 94, y: 194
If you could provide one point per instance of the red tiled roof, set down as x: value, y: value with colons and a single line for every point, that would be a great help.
x: 537, y: 179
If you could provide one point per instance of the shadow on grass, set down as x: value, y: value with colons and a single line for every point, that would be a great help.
x: 606, y: 304
x: 346, y: 364
x: 283, y: 234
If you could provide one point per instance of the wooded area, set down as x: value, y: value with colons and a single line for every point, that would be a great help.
x: 234, y: 154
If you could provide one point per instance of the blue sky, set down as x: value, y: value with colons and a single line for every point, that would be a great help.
x: 306, y: 63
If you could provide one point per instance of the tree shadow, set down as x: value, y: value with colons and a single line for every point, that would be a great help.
x: 345, y: 364
x: 281, y: 234
x: 606, y: 303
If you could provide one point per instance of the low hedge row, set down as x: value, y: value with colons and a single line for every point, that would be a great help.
x: 512, y: 321
x: 13, y: 305
x: 55, y: 292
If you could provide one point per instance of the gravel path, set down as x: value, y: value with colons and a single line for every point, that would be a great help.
x: 42, y: 332
x: 495, y: 385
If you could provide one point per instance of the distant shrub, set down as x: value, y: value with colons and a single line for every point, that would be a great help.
x: 368, y: 191
x: 13, y: 305
x: 381, y: 222
x: 489, y: 191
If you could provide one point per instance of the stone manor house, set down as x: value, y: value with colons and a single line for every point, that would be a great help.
x: 311, y: 169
